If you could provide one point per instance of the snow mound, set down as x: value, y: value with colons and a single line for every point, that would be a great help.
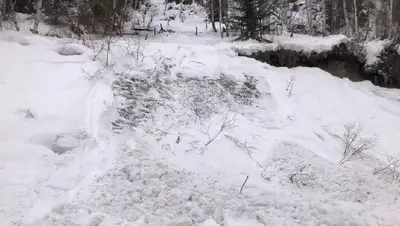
x: 70, y: 50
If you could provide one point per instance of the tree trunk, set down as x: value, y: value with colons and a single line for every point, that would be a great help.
x: 227, y: 18
x: 323, y: 5
x: 5, y: 3
x: 212, y: 16
x: 220, y: 19
x: 165, y: 6
x: 346, y: 18
x: 56, y: 11
x: 37, y: 19
x: 309, y: 17
x: 114, y: 16
x: 355, y: 17
x: 377, y: 22
x: 1, y: 12
x: 390, y: 18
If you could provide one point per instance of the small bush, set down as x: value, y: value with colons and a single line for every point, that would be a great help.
x: 354, y: 146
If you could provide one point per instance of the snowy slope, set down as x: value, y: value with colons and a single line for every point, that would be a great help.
x: 168, y: 161
x: 165, y: 174
x: 52, y: 135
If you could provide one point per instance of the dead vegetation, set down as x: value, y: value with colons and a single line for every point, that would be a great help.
x: 354, y: 145
x: 391, y: 168
x: 203, y: 97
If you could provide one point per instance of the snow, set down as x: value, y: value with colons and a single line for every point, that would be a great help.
x: 299, y: 43
x: 309, y: 44
x: 373, y: 49
x: 48, y: 146
x: 70, y: 155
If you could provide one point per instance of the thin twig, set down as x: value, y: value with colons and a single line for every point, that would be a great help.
x: 244, y: 183
x: 225, y: 124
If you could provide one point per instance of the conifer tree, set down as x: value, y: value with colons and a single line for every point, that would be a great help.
x: 251, y: 19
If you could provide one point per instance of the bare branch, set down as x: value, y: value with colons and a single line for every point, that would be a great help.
x: 135, y: 48
x: 354, y: 146
x: 244, y: 146
x: 392, y: 167
x: 226, y: 123
x: 97, y: 47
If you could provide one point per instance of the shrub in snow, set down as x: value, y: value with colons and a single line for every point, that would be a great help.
x: 138, y: 105
x: 391, y: 168
x: 97, y: 47
x: 354, y: 145
x: 135, y: 48
x: 201, y: 96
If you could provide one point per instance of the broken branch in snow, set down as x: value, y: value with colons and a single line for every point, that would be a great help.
x: 28, y: 113
x: 197, y: 62
x: 96, y: 75
x: 244, y: 146
x: 299, y: 177
x: 226, y: 123
x: 290, y: 85
x: 244, y: 183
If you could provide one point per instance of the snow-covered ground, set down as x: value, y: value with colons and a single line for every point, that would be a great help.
x: 53, y: 138
x: 168, y: 137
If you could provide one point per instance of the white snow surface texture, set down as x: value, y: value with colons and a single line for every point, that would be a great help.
x: 61, y: 163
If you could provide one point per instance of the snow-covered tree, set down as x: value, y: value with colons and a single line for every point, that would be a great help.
x: 252, y: 18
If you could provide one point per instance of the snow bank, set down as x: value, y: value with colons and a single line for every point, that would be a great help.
x: 307, y: 43
x: 298, y: 43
